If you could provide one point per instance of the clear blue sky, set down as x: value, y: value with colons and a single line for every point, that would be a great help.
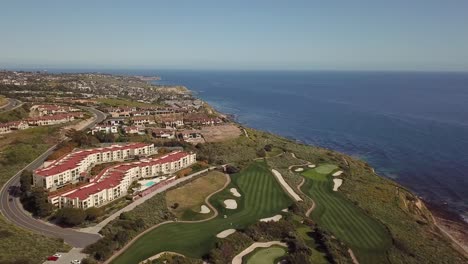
x: 197, y: 34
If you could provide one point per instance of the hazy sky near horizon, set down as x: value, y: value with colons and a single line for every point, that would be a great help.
x: 284, y: 35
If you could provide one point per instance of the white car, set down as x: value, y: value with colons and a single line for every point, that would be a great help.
x: 57, y: 255
x: 76, y: 261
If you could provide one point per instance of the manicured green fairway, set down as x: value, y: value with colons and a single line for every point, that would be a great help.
x: 365, y: 236
x: 261, y: 197
x: 266, y: 255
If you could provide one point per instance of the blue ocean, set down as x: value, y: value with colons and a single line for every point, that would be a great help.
x: 410, y: 126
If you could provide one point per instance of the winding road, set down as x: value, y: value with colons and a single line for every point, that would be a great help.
x: 12, y: 210
x: 11, y: 105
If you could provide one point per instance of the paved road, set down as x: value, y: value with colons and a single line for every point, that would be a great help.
x: 11, y: 207
x: 12, y: 104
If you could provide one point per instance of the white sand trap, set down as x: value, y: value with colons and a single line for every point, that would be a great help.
x: 299, y: 169
x: 204, y: 209
x: 230, y: 204
x: 225, y: 233
x: 275, y: 218
x: 338, y: 173
x: 235, y: 192
x: 337, y: 183
x: 288, y: 188
x: 285, y: 210
x: 311, y: 166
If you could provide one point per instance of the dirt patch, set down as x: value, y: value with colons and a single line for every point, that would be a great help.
x: 220, y: 132
x: 192, y: 195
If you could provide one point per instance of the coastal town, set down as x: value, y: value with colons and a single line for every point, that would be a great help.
x: 102, y: 160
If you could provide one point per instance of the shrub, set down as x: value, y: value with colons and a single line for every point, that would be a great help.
x: 93, y: 213
x: 70, y: 216
x: 231, y: 169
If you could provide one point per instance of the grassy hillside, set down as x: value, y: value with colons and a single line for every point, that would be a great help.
x: 16, y: 114
x: 415, y: 238
x: 16, y: 151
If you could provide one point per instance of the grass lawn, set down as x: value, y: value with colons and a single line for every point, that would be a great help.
x: 23, y: 246
x: 191, y: 196
x: 266, y: 255
x: 261, y: 197
x: 3, y: 100
x: 274, y: 152
x: 365, y: 236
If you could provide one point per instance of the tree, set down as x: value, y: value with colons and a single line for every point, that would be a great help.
x: 82, y: 139
x: 105, y: 137
x: 70, y: 216
x: 26, y: 181
x: 38, y: 203
x: 268, y: 147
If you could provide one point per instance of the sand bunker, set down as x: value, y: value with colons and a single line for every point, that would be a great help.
x: 288, y: 188
x: 230, y: 204
x: 204, y: 209
x: 337, y: 183
x: 235, y: 192
x: 238, y: 258
x: 338, y: 173
x: 226, y: 233
x: 311, y: 166
x: 285, y: 210
x: 275, y: 218
x: 299, y: 169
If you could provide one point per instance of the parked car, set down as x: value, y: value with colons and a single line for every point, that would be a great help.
x: 57, y: 255
x: 76, y: 261
x: 52, y: 258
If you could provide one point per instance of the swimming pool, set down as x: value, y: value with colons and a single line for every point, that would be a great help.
x: 149, y: 184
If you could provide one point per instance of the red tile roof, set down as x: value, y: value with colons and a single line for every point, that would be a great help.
x: 75, y: 158
x: 114, y: 175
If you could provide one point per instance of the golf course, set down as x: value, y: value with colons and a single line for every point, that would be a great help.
x: 261, y: 196
x: 367, y: 238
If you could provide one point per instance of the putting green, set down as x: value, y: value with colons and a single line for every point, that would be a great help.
x: 368, y: 238
x: 266, y: 255
x: 261, y: 197
x: 326, y: 168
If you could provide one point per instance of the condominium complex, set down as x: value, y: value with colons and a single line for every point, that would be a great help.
x: 74, y: 166
x: 114, y: 182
